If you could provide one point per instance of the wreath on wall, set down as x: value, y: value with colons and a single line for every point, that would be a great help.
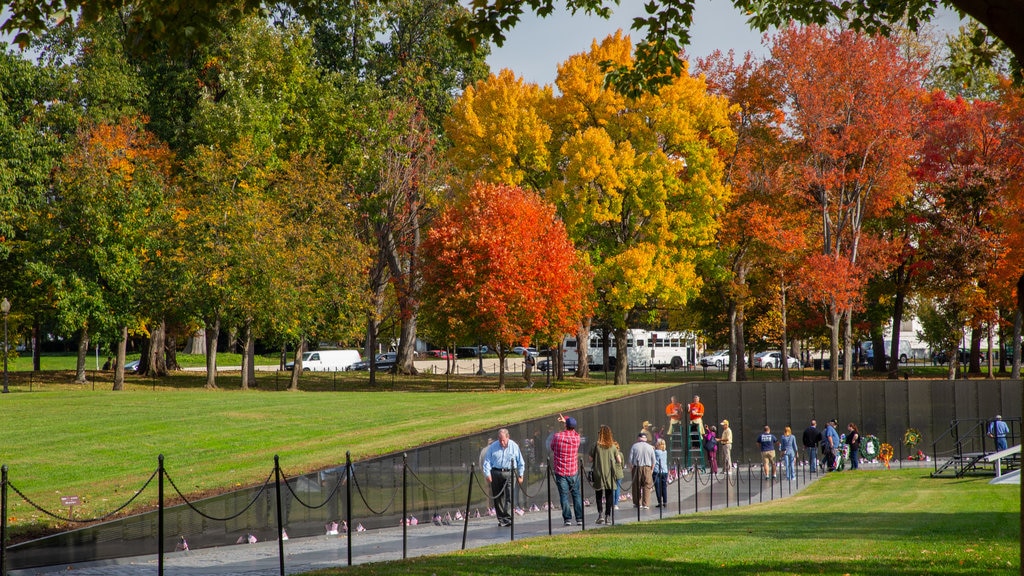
x: 870, y: 447
x: 911, y: 438
x: 885, y: 453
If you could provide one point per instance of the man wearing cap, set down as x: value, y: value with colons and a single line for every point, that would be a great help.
x: 502, y: 460
x: 725, y: 441
x: 641, y: 460
x: 565, y: 447
x: 999, y: 430
x: 830, y: 444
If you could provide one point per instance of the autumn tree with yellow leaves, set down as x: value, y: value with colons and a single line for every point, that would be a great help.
x: 637, y: 181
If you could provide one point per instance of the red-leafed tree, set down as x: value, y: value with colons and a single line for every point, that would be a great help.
x: 968, y: 162
x: 852, y: 103
x: 764, y: 229
x: 500, y: 268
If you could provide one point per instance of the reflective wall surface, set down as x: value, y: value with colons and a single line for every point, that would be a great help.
x: 438, y: 477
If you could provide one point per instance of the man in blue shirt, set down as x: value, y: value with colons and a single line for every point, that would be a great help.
x: 830, y: 444
x: 767, y: 442
x: 502, y: 460
x: 999, y: 430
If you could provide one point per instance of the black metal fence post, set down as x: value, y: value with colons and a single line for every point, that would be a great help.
x: 160, y: 517
x: 405, y: 504
x: 511, y: 487
x: 696, y: 482
x: 469, y: 500
x: 348, y: 504
x: 679, y: 488
x: 711, y: 490
x: 3, y: 520
x: 280, y: 519
x: 579, y: 485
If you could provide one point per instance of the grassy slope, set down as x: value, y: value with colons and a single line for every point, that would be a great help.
x: 103, y: 445
x: 884, y: 523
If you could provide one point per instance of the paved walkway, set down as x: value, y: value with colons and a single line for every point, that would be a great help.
x: 318, y: 552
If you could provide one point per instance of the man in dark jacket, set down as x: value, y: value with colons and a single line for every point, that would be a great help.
x: 811, y: 439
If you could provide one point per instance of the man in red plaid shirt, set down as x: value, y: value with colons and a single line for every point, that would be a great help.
x: 565, y: 447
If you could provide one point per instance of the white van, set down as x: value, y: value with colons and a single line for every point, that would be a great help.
x: 329, y: 360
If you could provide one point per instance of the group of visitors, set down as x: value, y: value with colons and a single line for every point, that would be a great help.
x: 649, y: 463
x: 831, y: 444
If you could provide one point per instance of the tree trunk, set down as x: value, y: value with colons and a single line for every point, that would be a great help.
x: 36, y: 352
x: 232, y: 340
x: 122, y: 352
x: 211, y: 335
x: 991, y: 371
x: 974, y: 362
x: 405, y: 355
x: 833, y: 369
x: 894, y: 346
x: 734, y: 355
x: 1018, y: 319
x: 300, y: 349
x: 741, y: 345
x: 785, y: 337
x: 501, y: 367
x: 156, y: 364
x: 196, y: 343
x: 170, y: 348
x: 378, y: 287
x: 370, y: 352
x: 848, y: 346
x: 583, y: 349
x: 83, y: 352
x: 248, y: 351
x: 621, y: 358
x: 879, y: 353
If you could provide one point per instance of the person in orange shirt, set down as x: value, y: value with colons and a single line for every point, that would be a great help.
x: 696, y: 412
x: 674, y: 411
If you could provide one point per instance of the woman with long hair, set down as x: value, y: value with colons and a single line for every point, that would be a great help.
x: 853, y: 439
x: 788, y: 446
x: 607, y: 464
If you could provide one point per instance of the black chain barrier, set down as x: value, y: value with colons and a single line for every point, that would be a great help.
x: 68, y: 519
x: 359, y: 490
x: 202, y: 514
x: 327, y: 499
x: 437, y: 490
x: 695, y: 475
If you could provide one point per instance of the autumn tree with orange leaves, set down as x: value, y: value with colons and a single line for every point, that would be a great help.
x: 967, y: 170
x: 764, y: 230
x: 499, y: 268
x: 108, y: 200
x: 852, y: 102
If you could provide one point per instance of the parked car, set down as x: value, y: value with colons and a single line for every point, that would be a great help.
x: 717, y: 359
x: 519, y: 350
x: 941, y: 357
x: 439, y: 354
x: 327, y: 360
x: 385, y: 362
x: 470, y: 351
x: 773, y: 360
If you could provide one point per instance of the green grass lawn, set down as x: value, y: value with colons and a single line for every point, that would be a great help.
x: 68, y: 361
x: 884, y: 523
x: 102, y: 445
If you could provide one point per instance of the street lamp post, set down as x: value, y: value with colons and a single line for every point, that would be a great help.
x: 5, y: 307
